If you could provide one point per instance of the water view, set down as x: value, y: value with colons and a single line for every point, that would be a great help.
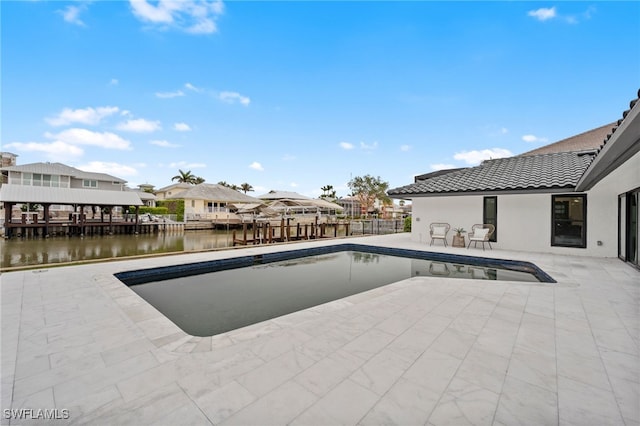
x: 39, y: 251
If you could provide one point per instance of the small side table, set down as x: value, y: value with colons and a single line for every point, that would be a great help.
x: 458, y: 241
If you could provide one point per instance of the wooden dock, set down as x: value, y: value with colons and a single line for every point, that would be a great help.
x: 269, y: 232
x: 34, y: 227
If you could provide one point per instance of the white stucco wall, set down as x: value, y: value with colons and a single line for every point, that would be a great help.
x: 524, y: 220
x: 602, y: 199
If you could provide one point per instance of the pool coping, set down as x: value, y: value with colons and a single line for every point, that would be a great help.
x: 141, y: 276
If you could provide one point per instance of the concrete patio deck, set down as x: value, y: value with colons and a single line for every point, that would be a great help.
x: 425, y: 350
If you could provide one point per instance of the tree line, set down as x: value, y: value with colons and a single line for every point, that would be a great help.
x: 366, y: 189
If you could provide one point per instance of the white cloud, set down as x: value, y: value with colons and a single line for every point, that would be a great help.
x: 192, y: 87
x: 504, y: 130
x: 442, y: 166
x: 185, y: 165
x: 113, y: 169
x: 346, y: 145
x: 57, y: 151
x: 169, y: 95
x: 181, y: 127
x: 288, y: 157
x: 234, y: 97
x: 139, y: 125
x: 164, y: 144
x: 543, y: 14
x: 192, y: 16
x: 77, y: 136
x: 72, y: 14
x: 294, y: 185
x: 534, y: 139
x: 476, y: 157
x: 256, y: 166
x: 90, y: 116
x: 367, y: 147
x: 405, y: 148
x: 114, y: 82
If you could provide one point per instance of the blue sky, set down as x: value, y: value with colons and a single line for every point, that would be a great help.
x: 298, y: 95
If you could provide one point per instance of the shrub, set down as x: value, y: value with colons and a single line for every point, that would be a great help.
x: 153, y: 210
x: 173, y: 207
x: 407, y: 224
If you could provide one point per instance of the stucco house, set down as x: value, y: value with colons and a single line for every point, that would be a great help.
x: 207, y: 201
x: 170, y: 190
x: 566, y: 198
x: 61, y: 193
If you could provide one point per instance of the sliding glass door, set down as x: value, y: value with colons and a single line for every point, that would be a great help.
x: 629, y: 226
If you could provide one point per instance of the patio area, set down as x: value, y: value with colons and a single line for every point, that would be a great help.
x: 426, y: 350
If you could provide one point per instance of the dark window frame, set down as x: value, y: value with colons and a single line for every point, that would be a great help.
x: 494, y: 236
x: 583, y: 242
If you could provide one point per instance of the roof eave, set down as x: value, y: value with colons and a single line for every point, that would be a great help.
x: 622, y: 145
x: 547, y: 190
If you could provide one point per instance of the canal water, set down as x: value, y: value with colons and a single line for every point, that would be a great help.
x: 38, y: 251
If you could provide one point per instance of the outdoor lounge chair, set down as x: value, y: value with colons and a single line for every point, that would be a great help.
x: 438, y: 231
x: 480, y: 233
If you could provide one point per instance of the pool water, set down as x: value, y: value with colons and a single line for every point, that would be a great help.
x: 206, y: 304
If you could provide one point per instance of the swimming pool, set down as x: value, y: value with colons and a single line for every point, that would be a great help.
x: 208, y: 298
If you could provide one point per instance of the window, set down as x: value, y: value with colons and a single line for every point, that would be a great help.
x: 89, y: 183
x: 193, y: 203
x: 569, y: 221
x: 490, y: 215
x: 26, y: 179
x: 37, y: 179
x: 46, y: 180
x: 55, y: 181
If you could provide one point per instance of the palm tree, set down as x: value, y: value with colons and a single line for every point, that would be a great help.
x: 328, y: 192
x: 223, y: 183
x: 184, y: 177
x: 245, y: 187
x: 198, y: 180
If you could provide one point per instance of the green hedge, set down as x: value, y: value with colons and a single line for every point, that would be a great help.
x: 407, y: 224
x: 173, y: 207
x: 153, y: 210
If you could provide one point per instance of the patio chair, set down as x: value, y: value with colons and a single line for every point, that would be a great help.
x: 438, y: 231
x: 480, y: 233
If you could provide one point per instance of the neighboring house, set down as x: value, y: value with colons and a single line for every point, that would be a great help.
x: 145, y: 192
x: 208, y: 201
x: 171, y: 190
x: 59, y: 189
x: 566, y: 198
x: 351, y: 206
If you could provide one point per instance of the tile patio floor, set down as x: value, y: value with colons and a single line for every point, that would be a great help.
x: 421, y: 351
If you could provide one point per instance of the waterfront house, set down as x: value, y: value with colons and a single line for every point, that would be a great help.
x: 35, y: 196
x: 173, y: 189
x: 565, y: 198
x: 208, y: 201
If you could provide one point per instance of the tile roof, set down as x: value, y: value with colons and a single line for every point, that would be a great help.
x: 275, y: 195
x: 62, y: 170
x: 544, y: 171
x: 180, y: 185
x: 586, y: 141
x: 214, y: 192
x: 626, y: 135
